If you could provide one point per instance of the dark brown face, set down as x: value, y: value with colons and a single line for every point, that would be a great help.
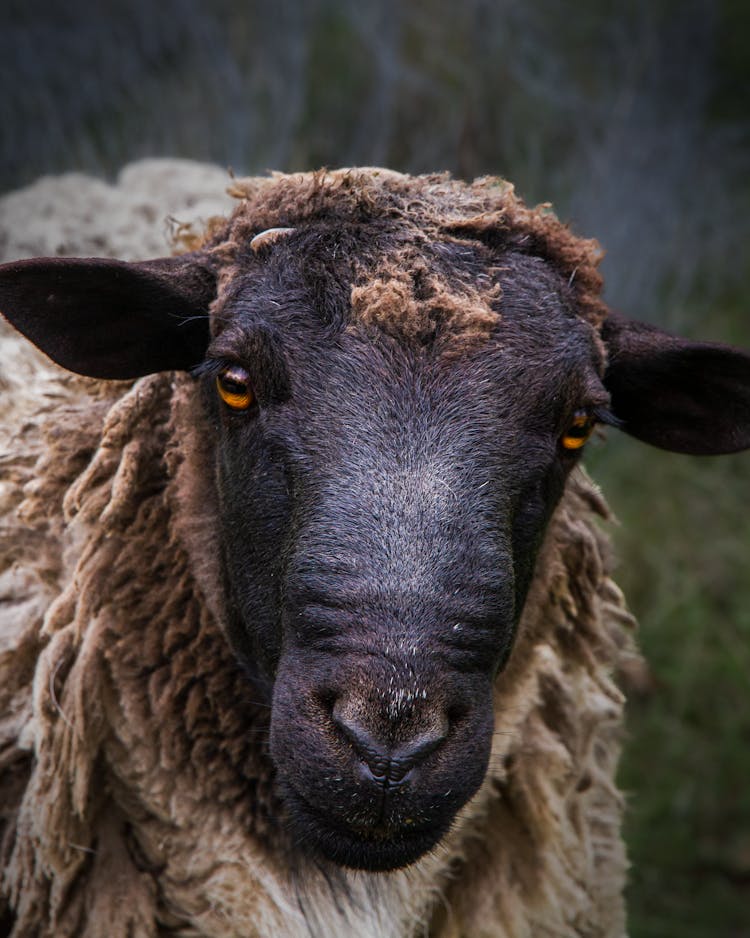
x: 382, y: 504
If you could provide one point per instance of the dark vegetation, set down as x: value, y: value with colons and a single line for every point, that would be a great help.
x: 635, y: 124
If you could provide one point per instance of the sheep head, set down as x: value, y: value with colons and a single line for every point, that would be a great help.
x: 397, y: 394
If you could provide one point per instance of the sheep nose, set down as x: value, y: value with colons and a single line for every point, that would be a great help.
x: 384, y: 764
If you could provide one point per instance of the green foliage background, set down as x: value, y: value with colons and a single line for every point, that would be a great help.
x: 634, y: 122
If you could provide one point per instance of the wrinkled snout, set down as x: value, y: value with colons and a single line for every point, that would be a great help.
x: 376, y: 752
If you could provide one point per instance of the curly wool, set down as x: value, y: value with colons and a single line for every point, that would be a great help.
x: 137, y: 793
x: 406, y: 217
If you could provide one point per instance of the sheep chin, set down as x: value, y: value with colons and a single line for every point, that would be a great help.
x: 377, y: 851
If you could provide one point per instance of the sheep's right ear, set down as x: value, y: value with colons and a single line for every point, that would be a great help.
x: 111, y: 319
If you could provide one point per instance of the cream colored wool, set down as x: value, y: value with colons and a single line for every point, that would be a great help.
x: 136, y: 796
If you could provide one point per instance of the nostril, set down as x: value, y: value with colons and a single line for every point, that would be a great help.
x: 364, y: 744
x: 384, y: 762
x: 417, y: 749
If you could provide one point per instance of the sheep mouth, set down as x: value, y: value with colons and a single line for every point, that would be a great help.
x: 376, y: 848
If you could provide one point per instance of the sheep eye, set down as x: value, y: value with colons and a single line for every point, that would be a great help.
x: 580, y: 429
x: 233, y: 385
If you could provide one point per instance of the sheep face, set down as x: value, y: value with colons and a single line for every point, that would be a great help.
x: 383, y: 498
x: 396, y: 398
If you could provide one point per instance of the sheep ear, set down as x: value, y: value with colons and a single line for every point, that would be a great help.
x: 111, y: 319
x: 688, y: 397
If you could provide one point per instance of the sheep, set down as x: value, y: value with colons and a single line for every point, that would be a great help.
x: 309, y: 623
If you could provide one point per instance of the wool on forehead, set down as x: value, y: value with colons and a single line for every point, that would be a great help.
x: 422, y: 254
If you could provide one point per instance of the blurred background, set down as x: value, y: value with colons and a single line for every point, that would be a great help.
x: 635, y: 122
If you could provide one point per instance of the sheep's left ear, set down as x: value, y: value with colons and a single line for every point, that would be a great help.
x: 688, y: 397
x: 105, y: 318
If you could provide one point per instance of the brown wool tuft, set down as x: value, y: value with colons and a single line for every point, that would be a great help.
x: 393, y: 304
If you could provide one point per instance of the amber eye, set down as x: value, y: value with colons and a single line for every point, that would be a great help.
x: 233, y: 385
x: 580, y: 429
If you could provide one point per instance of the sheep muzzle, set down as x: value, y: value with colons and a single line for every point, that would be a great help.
x: 374, y: 768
